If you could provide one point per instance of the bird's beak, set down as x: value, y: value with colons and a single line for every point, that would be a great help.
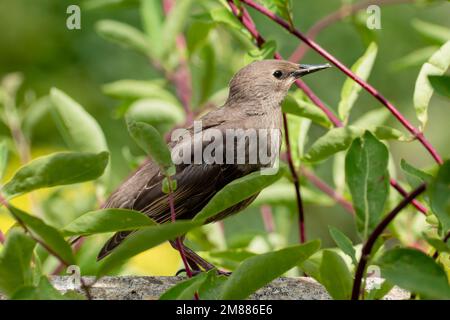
x: 309, y: 68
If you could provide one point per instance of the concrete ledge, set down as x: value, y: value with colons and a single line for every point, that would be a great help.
x: 150, y: 288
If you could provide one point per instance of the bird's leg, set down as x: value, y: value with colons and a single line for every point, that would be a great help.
x: 194, y: 257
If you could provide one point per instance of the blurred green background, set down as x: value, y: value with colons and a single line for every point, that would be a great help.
x: 34, y: 41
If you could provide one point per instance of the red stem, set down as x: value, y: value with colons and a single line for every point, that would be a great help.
x: 321, y: 185
x: 368, y: 246
x: 414, y: 131
x: 295, y: 180
x: 2, y: 237
x: 180, y: 248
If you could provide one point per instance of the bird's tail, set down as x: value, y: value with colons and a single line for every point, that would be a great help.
x: 113, y: 242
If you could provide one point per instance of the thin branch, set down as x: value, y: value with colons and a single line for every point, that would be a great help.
x: 368, y: 246
x: 343, y: 12
x: 2, y: 237
x: 296, y: 181
x: 173, y: 218
x: 366, y: 86
x: 323, y: 186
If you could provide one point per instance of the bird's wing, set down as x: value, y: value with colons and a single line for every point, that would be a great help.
x: 196, y: 185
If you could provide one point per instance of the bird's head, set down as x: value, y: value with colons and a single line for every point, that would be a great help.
x: 268, y: 80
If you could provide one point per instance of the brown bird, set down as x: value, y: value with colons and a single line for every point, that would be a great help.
x: 254, y: 102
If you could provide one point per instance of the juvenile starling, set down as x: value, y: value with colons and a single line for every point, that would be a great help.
x: 254, y: 102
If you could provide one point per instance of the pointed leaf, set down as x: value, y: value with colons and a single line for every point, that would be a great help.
x: 125, y: 35
x: 237, y: 191
x: 439, y: 193
x: 15, y: 262
x: 80, y: 130
x: 144, y: 239
x: 344, y: 243
x: 259, y: 270
x: 107, y: 220
x: 351, y: 89
x: 152, y: 19
x: 368, y: 180
x: 299, y: 107
x: 441, y: 84
x: 56, y: 169
x: 415, y: 271
x: 436, y: 65
x: 185, y: 290
x: 149, y: 139
x: 335, y: 276
x: 49, y: 235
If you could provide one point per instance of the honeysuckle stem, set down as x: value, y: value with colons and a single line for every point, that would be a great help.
x: 366, y: 86
x: 296, y: 182
x: 324, y: 187
x: 368, y: 245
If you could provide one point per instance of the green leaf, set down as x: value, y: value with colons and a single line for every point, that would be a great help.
x: 107, y: 220
x: 368, y: 180
x: 155, y: 112
x: 335, y: 276
x: 197, y: 35
x: 415, y: 271
x: 293, y: 104
x: 174, y: 24
x: 436, y: 65
x: 441, y: 84
x: 80, y: 130
x: 432, y: 31
x: 149, y: 139
x: 376, y: 117
x: 225, y: 16
x: 185, y: 290
x: 413, y: 59
x: 49, y: 235
x: 3, y: 158
x: 259, y: 270
x: 139, y: 89
x: 414, y: 175
x: 439, y: 193
x: 144, y: 239
x: 438, y: 244
x: 124, y: 35
x: 283, y: 8
x: 379, y: 293
x: 351, y: 89
x: 265, y: 52
x: 57, y: 169
x: 43, y: 291
x: 152, y: 19
x: 282, y: 193
x: 237, y: 191
x: 344, y: 243
x: 335, y: 140
x: 15, y: 259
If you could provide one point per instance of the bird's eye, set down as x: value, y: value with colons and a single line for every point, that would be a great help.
x: 277, y: 74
